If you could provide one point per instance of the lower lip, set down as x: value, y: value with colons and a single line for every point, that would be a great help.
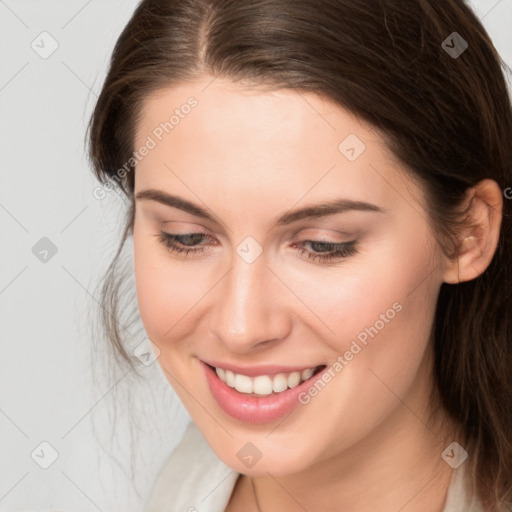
x: 252, y: 409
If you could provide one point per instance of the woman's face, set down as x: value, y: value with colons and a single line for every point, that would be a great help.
x: 256, y: 297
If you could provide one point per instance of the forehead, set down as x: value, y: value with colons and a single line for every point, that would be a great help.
x: 227, y: 109
x: 233, y: 139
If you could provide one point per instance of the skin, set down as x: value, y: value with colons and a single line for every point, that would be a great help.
x: 249, y: 155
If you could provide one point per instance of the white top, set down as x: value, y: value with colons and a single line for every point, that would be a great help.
x: 194, y: 479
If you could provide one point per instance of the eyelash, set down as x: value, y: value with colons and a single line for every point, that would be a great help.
x: 338, y: 250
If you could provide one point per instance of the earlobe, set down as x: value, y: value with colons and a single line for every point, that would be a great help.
x: 479, y: 236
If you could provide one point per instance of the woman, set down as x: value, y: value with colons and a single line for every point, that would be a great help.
x: 322, y: 252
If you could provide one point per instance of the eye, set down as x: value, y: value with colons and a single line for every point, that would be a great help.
x: 321, y: 250
x: 331, y: 250
x: 182, y: 243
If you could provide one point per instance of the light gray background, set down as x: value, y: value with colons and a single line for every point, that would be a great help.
x: 47, y: 390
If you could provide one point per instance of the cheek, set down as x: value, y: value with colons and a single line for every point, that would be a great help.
x: 395, y: 344
x: 382, y: 356
x: 355, y: 297
x: 164, y: 293
x: 386, y: 301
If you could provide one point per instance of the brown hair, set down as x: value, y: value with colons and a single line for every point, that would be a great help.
x: 447, y: 118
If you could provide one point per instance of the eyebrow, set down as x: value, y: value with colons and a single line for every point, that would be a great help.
x: 308, y: 212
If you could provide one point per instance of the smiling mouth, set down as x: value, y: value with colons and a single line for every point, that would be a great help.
x: 265, y: 385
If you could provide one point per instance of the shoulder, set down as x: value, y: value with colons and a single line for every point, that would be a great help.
x: 193, y: 479
x: 460, y: 497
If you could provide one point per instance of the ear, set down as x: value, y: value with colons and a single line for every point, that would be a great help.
x: 479, y: 236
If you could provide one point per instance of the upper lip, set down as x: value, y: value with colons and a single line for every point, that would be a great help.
x: 254, y: 371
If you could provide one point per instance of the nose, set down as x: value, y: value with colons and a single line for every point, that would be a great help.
x: 251, y: 307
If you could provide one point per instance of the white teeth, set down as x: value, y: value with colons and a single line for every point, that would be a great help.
x: 263, y: 384
x: 294, y: 379
x: 243, y: 384
x: 279, y: 382
x: 306, y: 374
x: 230, y: 379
